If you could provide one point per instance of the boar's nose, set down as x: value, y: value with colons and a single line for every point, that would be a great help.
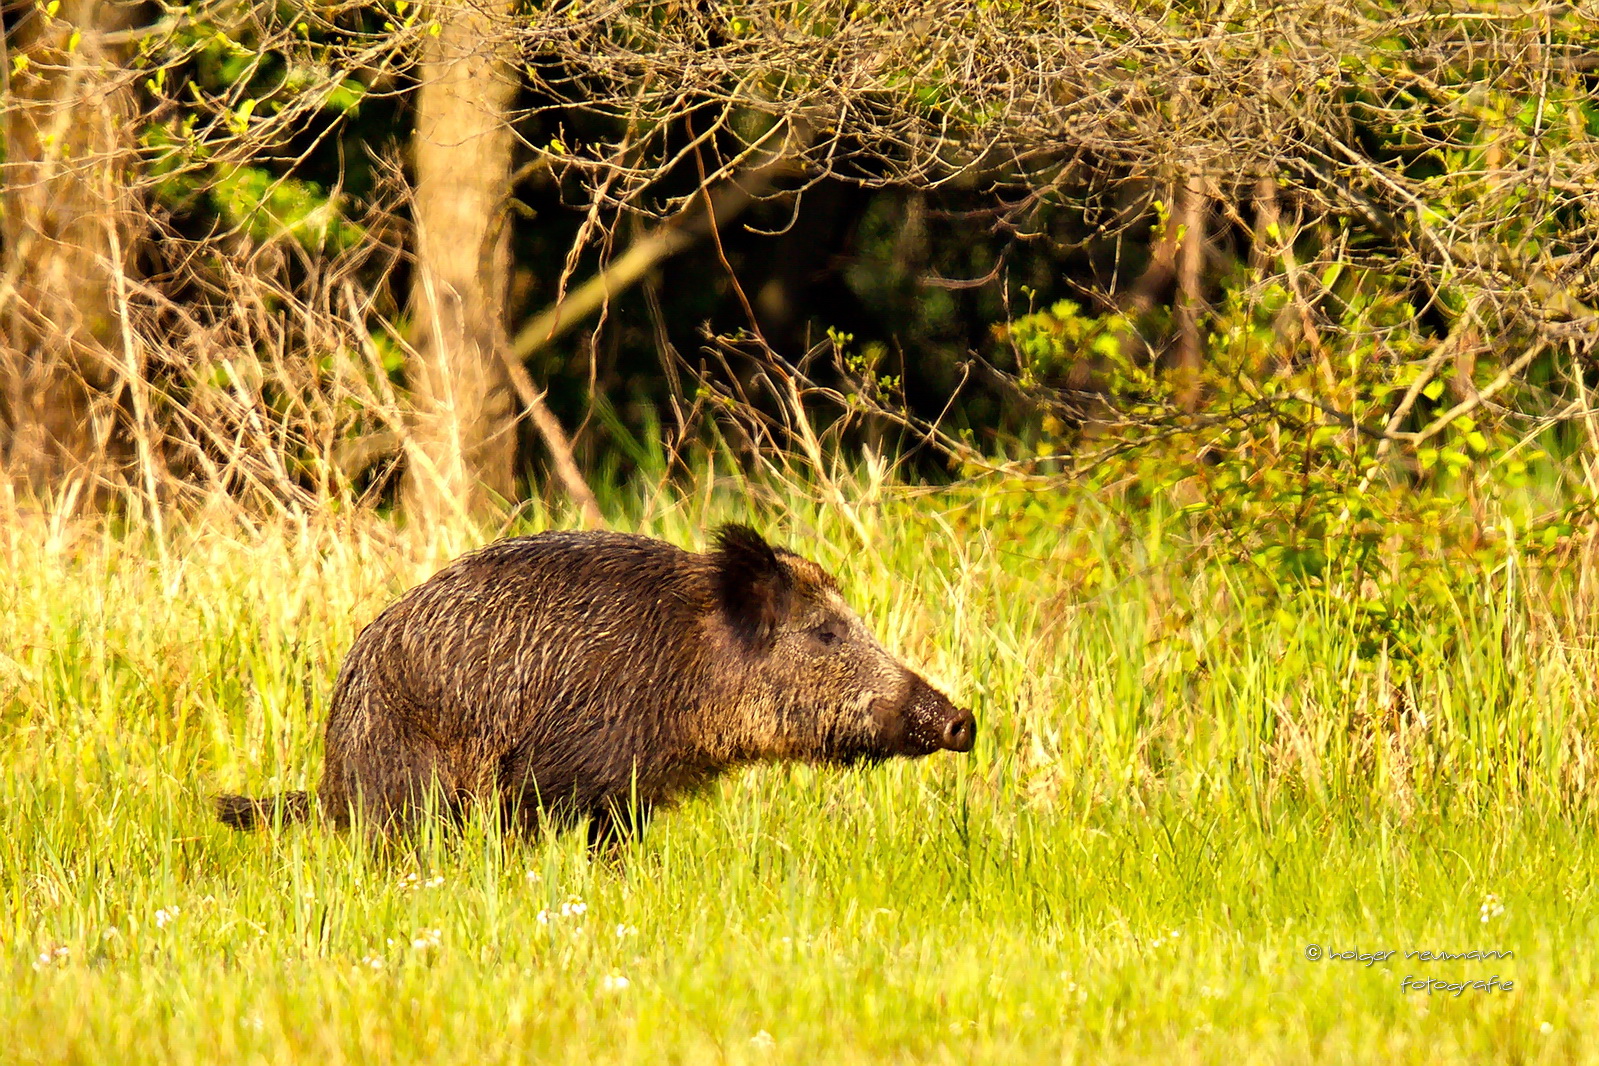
x: 958, y: 732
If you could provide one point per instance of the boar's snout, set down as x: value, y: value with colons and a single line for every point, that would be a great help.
x: 959, y: 730
x: 935, y: 724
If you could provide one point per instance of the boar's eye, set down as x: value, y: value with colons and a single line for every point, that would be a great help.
x: 828, y: 634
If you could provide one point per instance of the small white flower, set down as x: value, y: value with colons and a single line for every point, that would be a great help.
x: 614, y: 982
x: 624, y: 931
x: 433, y: 882
x: 372, y: 962
x: 165, y: 917
x: 1491, y: 907
x: 573, y: 907
x: 533, y: 875
x: 427, y: 938
x: 763, y: 1040
x: 543, y: 917
x: 1546, y: 1028
x: 54, y: 955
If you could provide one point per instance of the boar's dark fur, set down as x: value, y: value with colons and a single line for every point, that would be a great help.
x: 599, y: 676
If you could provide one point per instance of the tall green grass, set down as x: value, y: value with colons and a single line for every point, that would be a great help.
x: 1178, y: 786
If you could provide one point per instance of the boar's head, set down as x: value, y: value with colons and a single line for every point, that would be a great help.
x: 813, y: 682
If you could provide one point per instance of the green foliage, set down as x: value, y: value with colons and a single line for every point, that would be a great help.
x: 1064, y: 347
x: 1049, y: 343
x: 267, y: 207
x: 1281, y: 467
x: 228, y: 94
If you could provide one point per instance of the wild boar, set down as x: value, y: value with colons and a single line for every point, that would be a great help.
x: 599, y: 676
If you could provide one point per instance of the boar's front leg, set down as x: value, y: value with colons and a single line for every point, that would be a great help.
x: 613, y: 826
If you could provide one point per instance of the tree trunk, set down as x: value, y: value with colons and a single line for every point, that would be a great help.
x: 1189, y: 355
x: 462, y: 459
x: 68, y: 231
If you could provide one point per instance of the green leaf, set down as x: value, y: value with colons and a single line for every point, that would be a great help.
x: 345, y: 97
x: 240, y: 121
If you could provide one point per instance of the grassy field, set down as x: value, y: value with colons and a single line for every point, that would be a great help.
x: 1179, y: 791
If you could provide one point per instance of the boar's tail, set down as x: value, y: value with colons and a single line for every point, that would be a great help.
x: 250, y: 812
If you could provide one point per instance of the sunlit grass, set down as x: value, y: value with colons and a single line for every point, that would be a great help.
x: 1170, y: 799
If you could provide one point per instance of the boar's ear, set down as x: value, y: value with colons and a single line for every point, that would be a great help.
x: 754, y: 588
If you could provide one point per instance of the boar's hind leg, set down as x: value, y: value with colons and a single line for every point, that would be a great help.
x: 386, y: 776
